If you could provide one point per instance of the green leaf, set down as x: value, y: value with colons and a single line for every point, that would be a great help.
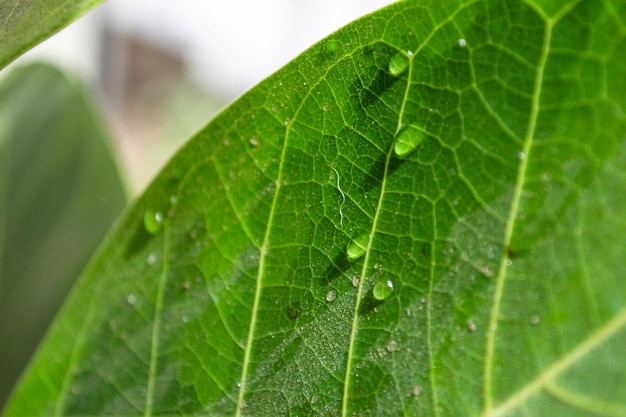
x: 59, y: 194
x: 496, y: 232
x: 25, y: 23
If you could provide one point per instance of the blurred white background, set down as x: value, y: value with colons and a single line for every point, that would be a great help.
x: 162, y: 69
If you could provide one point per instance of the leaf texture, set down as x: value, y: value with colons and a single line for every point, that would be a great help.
x: 420, y: 215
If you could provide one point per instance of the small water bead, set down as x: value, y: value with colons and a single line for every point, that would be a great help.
x: 332, y: 45
x: 398, y: 64
x: 131, y: 299
x: 407, y: 140
x: 462, y: 43
x: 471, y: 325
x: 392, y: 346
x: 151, y: 259
x: 535, y: 319
x: 152, y: 221
x: 254, y: 142
x: 358, y: 247
x: 382, y: 289
x: 330, y: 297
x: 355, y: 281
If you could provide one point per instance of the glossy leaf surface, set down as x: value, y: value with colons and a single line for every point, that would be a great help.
x: 59, y: 194
x: 24, y: 23
x: 305, y: 264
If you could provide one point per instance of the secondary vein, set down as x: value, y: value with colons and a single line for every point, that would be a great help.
x: 359, y: 297
x: 510, y: 224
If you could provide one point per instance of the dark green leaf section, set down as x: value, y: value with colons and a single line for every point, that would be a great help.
x: 305, y: 264
x: 25, y: 23
x: 59, y: 194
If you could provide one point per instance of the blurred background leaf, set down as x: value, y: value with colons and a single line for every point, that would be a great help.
x: 24, y: 23
x: 59, y: 193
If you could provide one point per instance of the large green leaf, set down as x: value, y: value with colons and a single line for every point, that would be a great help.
x: 24, y: 23
x: 59, y: 194
x: 421, y: 215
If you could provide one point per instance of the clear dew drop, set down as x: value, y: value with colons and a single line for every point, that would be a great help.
x: 398, y: 64
x: 355, y: 281
x: 151, y: 259
x: 332, y: 45
x: 357, y: 247
x: 131, y: 299
x: 330, y: 297
x: 462, y: 43
x: 521, y: 155
x: 392, y: 346
x: 407, y: 140
x: 471, y: 325
x: 152, y: 221
x: 535, y: 319
x: 382, y: 289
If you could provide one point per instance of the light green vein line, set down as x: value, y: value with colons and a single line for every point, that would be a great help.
x: 359, y: 297
x: 156, y: 330
x: 257, y: 295
x: 542, y: 380
x: 585, y: 403
x: 346, y: 386
x: 508, y: 233
x: 265, y: 246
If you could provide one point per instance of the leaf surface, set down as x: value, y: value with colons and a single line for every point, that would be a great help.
x: 421, y: 215
x: 25, y: 23
x: 59, y: 194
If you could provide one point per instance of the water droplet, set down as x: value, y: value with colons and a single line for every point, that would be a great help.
x: 408, y: 139
x: 382, y: 289
x: 131, y: 299
x: 254, y: 142
x: 423, y: 299
x: 153, y: 221
x: 238, y: 384
x: 330, y: 297
x: 332, y: 45
x: 409, y: 52
x: 151, y: 259
x: 407, y: 311
x: 355, y: 281
x: 185, y: 319
x: 286, y: 122
x: 471, y: 325
x: 357, y: 247
x: 392, y: 346
x: 398, y: 64
x: 535, y: 319
x: 521, y: 156
x: 462, y: 43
